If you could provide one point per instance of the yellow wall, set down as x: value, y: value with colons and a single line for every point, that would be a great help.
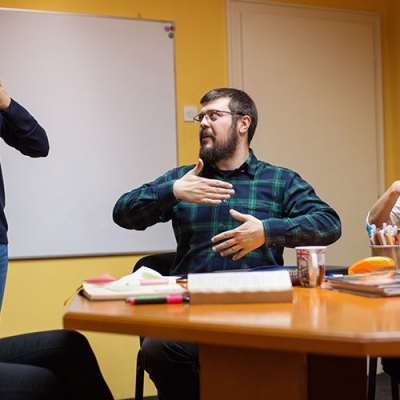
x: 392, y: 91
x: 36, y: 290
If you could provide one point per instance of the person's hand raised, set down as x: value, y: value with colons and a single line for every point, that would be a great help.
x: 195, y: 189
x: 5, y: 99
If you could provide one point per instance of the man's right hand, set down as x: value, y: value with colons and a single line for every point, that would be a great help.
x: 195, y: 189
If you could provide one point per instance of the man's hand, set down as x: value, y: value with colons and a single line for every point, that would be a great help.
x: 241, y: 240
x: 5, y: 99
x: 195, y: 189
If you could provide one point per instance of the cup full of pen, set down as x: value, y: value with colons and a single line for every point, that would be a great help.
x: 385, y: 242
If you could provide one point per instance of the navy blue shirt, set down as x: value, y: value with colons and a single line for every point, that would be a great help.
x: 19, y: 130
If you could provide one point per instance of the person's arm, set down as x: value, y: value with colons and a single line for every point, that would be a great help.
x: 153, y: 202
x: 306, y: 220
x: 19, y: 129
x: 381, y: 210
x: 147, y: 205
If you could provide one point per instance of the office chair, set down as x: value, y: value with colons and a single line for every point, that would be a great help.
x: 373, y: 363
x: 161, y: 263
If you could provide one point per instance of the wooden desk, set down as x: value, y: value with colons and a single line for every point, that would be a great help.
x: 314, y: 348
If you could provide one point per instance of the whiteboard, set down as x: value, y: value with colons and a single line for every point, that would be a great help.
x: 104, y: 90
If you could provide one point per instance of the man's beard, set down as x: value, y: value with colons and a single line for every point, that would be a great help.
x: 219, y: 151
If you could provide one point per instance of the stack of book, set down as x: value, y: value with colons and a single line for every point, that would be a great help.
x: 373, y: 284
x: 240, y: 287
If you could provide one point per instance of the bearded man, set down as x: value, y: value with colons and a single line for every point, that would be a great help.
x: 229, y: 211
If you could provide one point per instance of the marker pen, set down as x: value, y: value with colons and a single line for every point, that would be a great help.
x: 334, y: 275
x: 173, y: 299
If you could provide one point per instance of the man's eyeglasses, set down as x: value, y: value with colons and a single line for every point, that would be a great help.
x: 213, y: 115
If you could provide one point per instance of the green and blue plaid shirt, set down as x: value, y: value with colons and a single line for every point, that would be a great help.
x: 291, y: 212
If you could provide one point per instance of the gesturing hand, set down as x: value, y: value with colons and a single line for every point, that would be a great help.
x: 195, y: 189
x: 241, y: 240
x: 4, y: 98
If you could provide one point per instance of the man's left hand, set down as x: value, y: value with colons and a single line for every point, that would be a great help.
x: 241, y: 240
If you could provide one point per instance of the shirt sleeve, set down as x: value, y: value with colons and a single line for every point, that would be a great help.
x: 20, y: 130
x: 306, y: 220
x: 149, y: 204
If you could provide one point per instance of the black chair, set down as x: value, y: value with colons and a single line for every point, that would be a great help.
x: 373, y: 363
x: 161, y: 263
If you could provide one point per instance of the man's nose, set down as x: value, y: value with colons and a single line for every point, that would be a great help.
x: 204, y: 121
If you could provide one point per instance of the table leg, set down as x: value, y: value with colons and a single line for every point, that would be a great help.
x: 240, y: 373
x: 336, y: 378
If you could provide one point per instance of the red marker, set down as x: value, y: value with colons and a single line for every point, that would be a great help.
x: 173, y: 299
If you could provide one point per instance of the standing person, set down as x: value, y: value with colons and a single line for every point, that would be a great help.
x: 19, y: 130
x: 49, y: 365
x: 228, y: 207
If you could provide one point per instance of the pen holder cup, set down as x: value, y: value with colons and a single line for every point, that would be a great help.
x: 389, y: 250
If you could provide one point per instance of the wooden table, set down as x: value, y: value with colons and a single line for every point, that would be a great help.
x: 314, y: 348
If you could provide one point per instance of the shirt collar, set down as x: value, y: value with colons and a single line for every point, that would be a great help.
x: 248, y: 167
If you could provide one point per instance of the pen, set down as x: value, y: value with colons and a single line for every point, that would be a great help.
x: 334, y: 275
x: 174, y: 299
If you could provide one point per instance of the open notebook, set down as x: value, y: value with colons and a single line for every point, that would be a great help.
x: 143, y: 282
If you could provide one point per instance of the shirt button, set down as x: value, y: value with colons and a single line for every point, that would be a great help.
x: 273, y: 244
x: 224, y: 201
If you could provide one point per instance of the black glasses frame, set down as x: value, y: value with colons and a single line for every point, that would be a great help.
x: 199, y: 117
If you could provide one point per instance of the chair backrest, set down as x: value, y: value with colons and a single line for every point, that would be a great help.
x: 160, y: 262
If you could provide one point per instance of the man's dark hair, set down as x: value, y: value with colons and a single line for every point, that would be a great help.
x: 239, y: 102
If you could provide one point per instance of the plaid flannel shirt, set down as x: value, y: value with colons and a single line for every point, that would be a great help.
x: 291, y: 212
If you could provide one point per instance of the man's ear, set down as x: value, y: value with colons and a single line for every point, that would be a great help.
x: 244, y: 123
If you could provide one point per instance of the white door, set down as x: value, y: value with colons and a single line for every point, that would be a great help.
x: 315, y: 76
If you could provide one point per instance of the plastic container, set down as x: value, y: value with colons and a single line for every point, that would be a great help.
x: 389, y: 250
